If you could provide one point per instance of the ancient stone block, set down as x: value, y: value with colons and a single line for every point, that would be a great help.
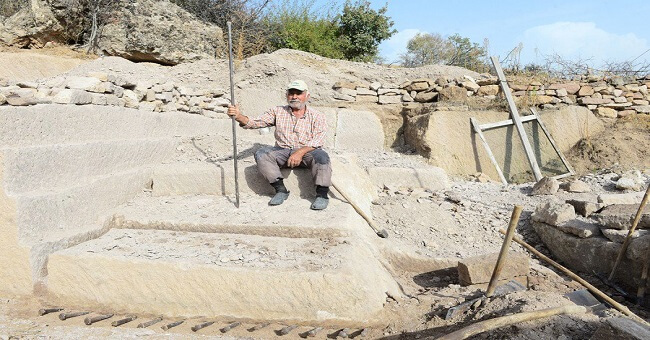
x: 453, y: 93
x: 586, y: 90
x: 621, y: 216
x: 347, y: 91
x: 393, y: 91
x: 359, y: 130
x: 575, y: 186
x: 553, y: 213
x: 418, y: 85
x: 606, y: 112
x: 425, y: 97
x: 478, y: 269
x: 390, y: 99
x: 546, y: 186
x: 69, y: 96
x: 470, y: 85
x: 579, y: 228
x: 365, y: 92
x: 618, y: 236
x: 585, y: 208
x: 627, y: 198
x: 488, y: 90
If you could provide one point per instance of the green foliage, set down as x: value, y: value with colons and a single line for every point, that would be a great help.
x: 297, y: 25
x: 467, y: 54
x: 361, y: 29
x: 426, y: 49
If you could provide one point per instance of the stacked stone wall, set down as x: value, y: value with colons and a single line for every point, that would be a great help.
x: 607, y: 98
x: 610, y: 98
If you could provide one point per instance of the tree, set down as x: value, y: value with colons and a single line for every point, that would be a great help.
x: 362, y: 29
x: 425, y: 49
x: 467, y: 54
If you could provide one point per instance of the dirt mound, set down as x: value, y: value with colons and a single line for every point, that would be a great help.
x: 28, y: 65
x: 623, y: 142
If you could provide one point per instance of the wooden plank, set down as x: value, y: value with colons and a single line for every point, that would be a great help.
x: 478, y: 131
x: 514, y: 115
x: 490, y: 126
x: 555, y: 147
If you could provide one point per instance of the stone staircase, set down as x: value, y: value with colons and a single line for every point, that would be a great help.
x: 107, y: 208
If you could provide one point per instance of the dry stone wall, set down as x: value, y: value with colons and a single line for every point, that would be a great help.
x: 108, y: 89
x: 608, y: 98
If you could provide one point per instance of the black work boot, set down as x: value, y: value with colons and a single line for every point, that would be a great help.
x: 321, y: 200
x: 281, y: 192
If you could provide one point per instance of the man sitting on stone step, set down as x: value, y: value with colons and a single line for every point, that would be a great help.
x: 299, y: 137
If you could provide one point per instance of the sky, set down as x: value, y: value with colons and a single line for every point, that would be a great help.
x: 594, y: 30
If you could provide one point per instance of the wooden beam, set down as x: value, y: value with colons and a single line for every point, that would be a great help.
x: 490, y: 126
x: 478, y: 131
x: 514, y: 115
x: 550, y: 139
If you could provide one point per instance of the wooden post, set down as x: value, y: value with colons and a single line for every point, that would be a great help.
x: 552, y: 141
x: 586, y: 284
x: 514, y: 114
x: 514, y: 220
x: 478, y: 131
x: 630, y: 232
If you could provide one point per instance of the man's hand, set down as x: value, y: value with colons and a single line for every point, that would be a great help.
x: 295, y: 159
x: 233, y: 111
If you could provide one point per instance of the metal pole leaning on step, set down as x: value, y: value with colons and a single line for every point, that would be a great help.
x: 234, y: 123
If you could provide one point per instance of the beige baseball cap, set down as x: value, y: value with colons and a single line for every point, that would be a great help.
x: 299, y: 85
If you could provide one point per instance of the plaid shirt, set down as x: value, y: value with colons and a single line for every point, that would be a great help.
x: 292, y: 132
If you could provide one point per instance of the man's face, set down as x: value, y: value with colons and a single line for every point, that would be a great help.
x: 297, y: 99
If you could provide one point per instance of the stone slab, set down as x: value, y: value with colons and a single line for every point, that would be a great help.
x: 359, y: 130
x: 585, y: 208
x: 53, y: 167
x: 580, y: 228
x: 553, y: 213
x: 627, y: 198
x: 218, y: 214
x: 250, y: 277
x: 54, y: 124
x: 432, y: 178
x: 594, y: 254
x: 478, y: 269
x: 618, y: 236
x: 621, y: 216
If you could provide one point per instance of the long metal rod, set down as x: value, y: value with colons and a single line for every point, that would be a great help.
x: 626, y: 243
x: 514, y: 115
x: 234, y: 123
x: 580, y: 280
x: 514, y: 220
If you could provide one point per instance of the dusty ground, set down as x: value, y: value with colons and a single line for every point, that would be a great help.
x: 456, y: 223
